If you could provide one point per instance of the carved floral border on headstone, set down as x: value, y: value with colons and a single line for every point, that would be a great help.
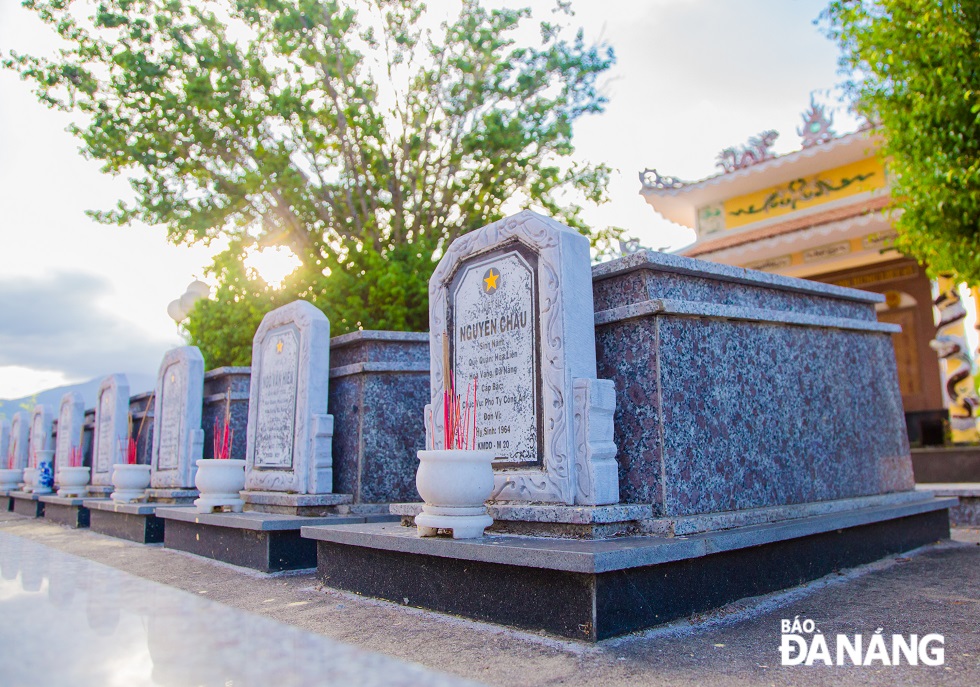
x: 178, y: 439
x: 71, y: 416
x: 576, y: 462
x: 40, y: 432
x: 19, y: 442
x: 111, y: 432
x: 290, y: 435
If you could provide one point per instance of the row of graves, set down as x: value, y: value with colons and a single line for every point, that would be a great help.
x: 598, y: 449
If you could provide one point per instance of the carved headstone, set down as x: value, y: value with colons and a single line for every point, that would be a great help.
x: 41, y: 431
x: 178, y: 440
x: 4, y: 441
x: 289, y: 432
x: 111, y: 428
x: 71, y: 416
x: 17, y: 451
x: 515, y: 300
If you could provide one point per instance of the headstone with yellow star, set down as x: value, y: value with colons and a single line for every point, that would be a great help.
x: 290, y: 435
x: 178, y: 439
x: 515, y: 301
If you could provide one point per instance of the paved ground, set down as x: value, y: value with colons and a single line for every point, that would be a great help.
x: 935, y: 589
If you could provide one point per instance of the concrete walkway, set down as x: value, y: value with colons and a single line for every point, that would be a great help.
x: 933, y: 590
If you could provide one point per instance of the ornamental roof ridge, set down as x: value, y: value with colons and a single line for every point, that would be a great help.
x: 654, y: 183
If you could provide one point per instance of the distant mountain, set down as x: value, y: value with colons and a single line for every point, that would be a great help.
x: 138, y: 383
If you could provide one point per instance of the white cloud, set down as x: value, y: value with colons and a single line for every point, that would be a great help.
x: 56, y: 326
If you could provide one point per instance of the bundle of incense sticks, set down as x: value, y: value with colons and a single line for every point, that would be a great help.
x: 131, y: 446
x: 131, y: 451
x: 75, y: 457
x: 224, y: 435
x: 10, y: 459
x: 459, y: 417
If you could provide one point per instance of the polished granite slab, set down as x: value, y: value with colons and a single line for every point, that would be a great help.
x: 70, y: 621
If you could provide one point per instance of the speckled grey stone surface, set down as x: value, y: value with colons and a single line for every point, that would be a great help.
x: 111, y: 506
x: 220, y: 384
x: 252, y: 520
x: 715, y: 413
x: 278, y: 498
x: 966, y: 513
x: 650, y: 274
x: 712, y: 522
x: 576, y: 515
x: 61, y: 500
x: 379, y: 385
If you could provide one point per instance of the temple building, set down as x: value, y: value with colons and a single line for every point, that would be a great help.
x: 824, y: 213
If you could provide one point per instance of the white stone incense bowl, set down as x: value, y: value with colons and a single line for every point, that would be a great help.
x: 72, y: 481
x: 455, y: 485
x: 130, y: 482
x: 10, y: 478
x: 220, y: 481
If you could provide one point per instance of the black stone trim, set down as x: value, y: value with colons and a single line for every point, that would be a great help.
x: 595, y: 606
x: 72, y: 516
x: 265, y: 550
x: 143, y: 529
x: 27, y: 506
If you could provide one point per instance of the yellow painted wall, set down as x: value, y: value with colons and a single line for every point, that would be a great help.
x: 806, y: 192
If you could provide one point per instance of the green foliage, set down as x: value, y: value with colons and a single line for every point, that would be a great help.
x: 360, y: 134
x: 916, y: 71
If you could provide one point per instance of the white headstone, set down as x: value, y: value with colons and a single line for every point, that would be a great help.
x: 71, y: 418
x: 178, y: 440
x: 515, y: 300
x: 289, y: 436
x: 41, y: 438
x: 17, y: 451
x: 111, y: 428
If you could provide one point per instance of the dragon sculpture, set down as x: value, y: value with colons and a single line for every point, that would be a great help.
x: 758, y: 149
x: 950, y: 345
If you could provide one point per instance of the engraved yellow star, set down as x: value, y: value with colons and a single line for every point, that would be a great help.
x: 491, y: 280
x: 279, y: 346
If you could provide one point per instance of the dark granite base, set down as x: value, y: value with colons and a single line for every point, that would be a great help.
x: 946, y: 464
x: 257, y: 549
x: 74, y: 516
x: 26, y: 504
x: 598, y: 603
x: 268, y: 542
x: 144, y: 528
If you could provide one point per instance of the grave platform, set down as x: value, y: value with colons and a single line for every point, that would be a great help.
x: 5, y: 500
x: 25, y: 503
x: 172, y: 496
x: 136, y: 522
x: 554, y: 520
x: 595, y: 589
x: 296, y: 505
x: 268, y: 542
x: 65, y: 510
x: 967, y: 512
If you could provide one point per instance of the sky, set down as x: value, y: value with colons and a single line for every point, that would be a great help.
x: 80, y: 300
